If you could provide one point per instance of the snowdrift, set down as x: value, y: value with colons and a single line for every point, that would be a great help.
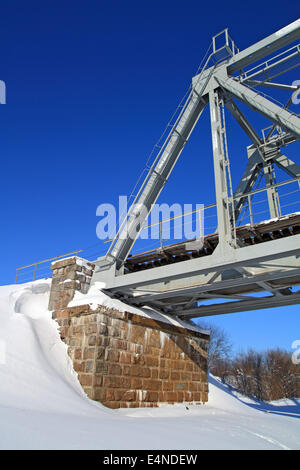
x: 42, y: 405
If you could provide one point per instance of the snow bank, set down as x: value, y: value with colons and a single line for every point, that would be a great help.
x: 42, y: 405
x: 37, y: 367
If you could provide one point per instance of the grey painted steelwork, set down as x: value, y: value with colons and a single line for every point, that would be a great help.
x: 265, y: 47
x: 243, y: 260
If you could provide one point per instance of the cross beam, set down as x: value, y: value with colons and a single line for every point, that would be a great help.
x: 265, y: 47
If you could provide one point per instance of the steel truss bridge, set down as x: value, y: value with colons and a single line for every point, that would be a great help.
x: 239, y: 267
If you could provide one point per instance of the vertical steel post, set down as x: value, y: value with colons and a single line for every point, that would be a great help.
x: 250, y: 210
x: 271, y: 191
x: 224, y: 226
x: 34, y: 274
x: 200, y: 224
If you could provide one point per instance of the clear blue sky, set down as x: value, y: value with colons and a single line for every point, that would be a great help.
x: 90, y: 87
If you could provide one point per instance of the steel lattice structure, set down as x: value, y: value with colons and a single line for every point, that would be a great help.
x: 234, y: 269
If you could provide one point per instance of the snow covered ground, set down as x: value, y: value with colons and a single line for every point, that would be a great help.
x: 42, y: 405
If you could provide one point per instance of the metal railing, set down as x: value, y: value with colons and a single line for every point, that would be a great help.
x: 197, y: 212
x: 254, y: 212
x: 48, y: 260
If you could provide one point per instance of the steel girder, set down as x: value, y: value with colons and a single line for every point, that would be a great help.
x: 232, y: 270
x: 265, y: 47
x: 287, y: 165
x: 257, y: 303
x: 267, y: 108
x: 271, y: 261
x: 243, y: 122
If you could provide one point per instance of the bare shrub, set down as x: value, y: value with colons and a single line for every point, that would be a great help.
x: 220, y: 348
x: 268, y: 375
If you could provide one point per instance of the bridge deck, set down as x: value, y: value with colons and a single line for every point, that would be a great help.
x: 246, y: 235
x: 262, y: 276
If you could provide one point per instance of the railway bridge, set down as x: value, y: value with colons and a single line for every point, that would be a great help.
x: 239, y: 266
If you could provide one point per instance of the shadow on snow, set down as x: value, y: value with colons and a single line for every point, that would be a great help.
x: 292, y: 410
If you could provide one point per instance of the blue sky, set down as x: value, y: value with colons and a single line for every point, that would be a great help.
x: 90, y: 87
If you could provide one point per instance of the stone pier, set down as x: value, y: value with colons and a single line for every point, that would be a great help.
x: 126, y: 359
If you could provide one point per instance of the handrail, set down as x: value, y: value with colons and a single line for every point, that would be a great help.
x: 43, y: 261
x: 235, y: 197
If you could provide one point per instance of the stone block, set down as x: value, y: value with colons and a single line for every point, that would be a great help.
x: 129, y: 395
x: 124, y: 360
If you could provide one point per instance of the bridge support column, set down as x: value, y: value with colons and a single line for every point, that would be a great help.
x: 128, y: 359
